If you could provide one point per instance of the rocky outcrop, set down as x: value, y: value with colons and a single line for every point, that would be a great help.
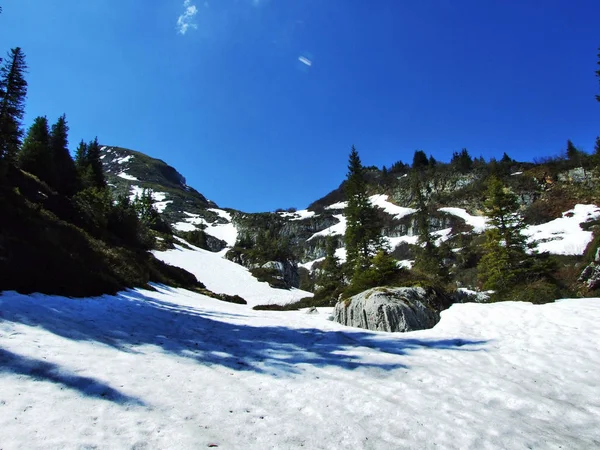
x: 591, y: 274
x: 286, y: 271
x: 392, y: 309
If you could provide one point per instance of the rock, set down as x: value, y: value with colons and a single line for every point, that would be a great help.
x: 590, y: 276
x: 214, y: 244
x: 287, y: 271
x: 392, y: 309
x: 312, y: 310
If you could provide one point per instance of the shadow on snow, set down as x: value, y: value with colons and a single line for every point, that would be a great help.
x: 45, y: 371
x: 131, y: 320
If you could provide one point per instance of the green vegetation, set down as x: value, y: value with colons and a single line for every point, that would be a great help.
x: 62, y: 232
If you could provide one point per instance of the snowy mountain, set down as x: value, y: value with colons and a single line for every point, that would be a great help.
x: 556, y: 208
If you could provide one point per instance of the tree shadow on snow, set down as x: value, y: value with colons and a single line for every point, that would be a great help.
x: 132, y: 319
x: 45, y: 371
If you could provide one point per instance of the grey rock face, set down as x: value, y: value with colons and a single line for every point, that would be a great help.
x: 287, y: 270
x: 390, y: 309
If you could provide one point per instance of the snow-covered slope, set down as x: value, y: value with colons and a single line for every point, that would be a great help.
x: 223, y: 276
x: 174, y: 369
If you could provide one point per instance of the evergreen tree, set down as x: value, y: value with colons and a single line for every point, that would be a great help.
x: 64, y: 172
x: 572, y: 152
x: 506, y: 159
x: 35, y: 156
x: 432, y: 161
x: 462, y: 161
x: 420, y: 161
x: 13, y: 90
x: 363, y: 230
x: 330, y: 277
x: 89, y: 165
x: 81, y: 155
x: 428, y: 259
x: 506, y: 245
x: 148, y: 214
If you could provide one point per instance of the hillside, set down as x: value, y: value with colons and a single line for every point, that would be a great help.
x: 557, y: 197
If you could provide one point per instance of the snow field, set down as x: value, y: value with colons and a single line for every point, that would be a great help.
x: 174, y: 369
x: 223, y: 276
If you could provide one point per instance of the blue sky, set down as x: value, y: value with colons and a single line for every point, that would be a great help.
x: 217, y: 89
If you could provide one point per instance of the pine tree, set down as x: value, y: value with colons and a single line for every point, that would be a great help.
x: 34, y: 156
x: 89, y: 164
x: 572, y: 152
x: 428, y: 259
x: 363, y: 230
x: 420, y: 161
x: 13, y: 91
x: 462, y: 161
x: 330, y: 275
x: 65, y: 174
x: 506, y: 246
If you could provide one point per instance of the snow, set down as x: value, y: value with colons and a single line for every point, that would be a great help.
x: 225, y: 231
x: 442, y: 235
x: 175, y: 369
x: 397, y: 211
x: 298, y: 215
x: 394, y: 242
x: 161, y: 206
x: 564, y: 236
x: 405, y: 263
x: 185, y: 226
x: 341, y: 254
x: 126, y: 176
x: 517, y: 173
x: 337, y: 229
x: 380, y: 201
x: 221, y: 213
x: 159, y: 202
x: 223, y: 276
x: 479, y: 223
x: 338, y: 205
x: 124, y: 159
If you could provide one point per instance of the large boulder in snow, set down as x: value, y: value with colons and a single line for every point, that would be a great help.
x: 392, y: 309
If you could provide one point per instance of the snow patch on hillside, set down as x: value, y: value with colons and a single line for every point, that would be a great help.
x: 334, y: 230
x: 158, y: 198
x: 126, y: 176
x: 301, y: 214
x: 564, y: 236
x: 338, y: 205
x: 124, y: 159
x: 479, y: 223
x: 398, y: 212
x: 223, y: 276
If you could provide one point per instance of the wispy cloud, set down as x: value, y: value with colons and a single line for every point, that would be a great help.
x: 305, y: 60
x: 186, y: 20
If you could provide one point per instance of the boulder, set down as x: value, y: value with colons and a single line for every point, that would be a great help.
x: 392, y: 309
